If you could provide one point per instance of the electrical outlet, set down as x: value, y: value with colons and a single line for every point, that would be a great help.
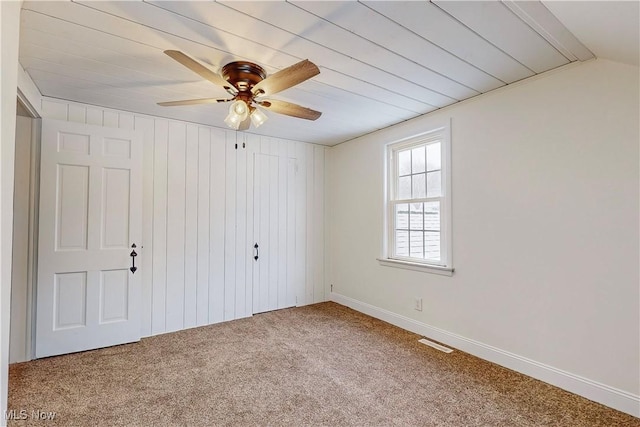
x: 417, y: 304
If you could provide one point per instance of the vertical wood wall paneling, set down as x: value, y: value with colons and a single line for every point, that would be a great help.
x: 263, y: 237
x: 301, y: 224
x: 257, y: 218
x: 94, y: 116
x: 126, y: 121
x: 230, y: 227
x: 110, y: 119
x: 176, y: 226
x: 202, y: 287
x: 253, y: 143
x: 159, y: 277
x: 318, y: 238
x: 77, y: 113
x: 241, y: 228
x: 311, y: 230
x: 54, y: 110
x: 191, y: 228
x: 292, y: 228
x: 146, y: 126
x: 282, y: 222
x: 274, y: 224
x: 217, y: 187
x: 200, y: 222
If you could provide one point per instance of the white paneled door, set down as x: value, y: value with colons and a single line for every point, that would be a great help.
x: 90, y: 216
x: 274, y: 229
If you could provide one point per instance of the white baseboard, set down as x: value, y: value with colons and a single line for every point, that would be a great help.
x: 592, y: 390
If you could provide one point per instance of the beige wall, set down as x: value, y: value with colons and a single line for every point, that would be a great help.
x: 545, y: 230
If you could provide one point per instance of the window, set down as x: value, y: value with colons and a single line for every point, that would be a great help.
x: 418, y: 201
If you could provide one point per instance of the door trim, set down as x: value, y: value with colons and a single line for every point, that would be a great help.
x: 28, y: 351
x: 34, y: 217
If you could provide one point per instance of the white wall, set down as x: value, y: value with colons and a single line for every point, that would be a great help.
x: 196, y: 199
x: 545, y: 231
x: 9, y: 37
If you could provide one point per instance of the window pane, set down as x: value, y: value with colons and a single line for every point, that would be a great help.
x: 419, y: 190
x: 416, y: 187
x: 417, y: 159
x: 402, y: 216
x: 432, y: 216
x: 433, y: 156
x: 434, y: 186
x: 432, y: 245
x: 402, y: 243
x: 404, y: 162
x: 404, y: 187
x: 416, y: 219
x: 416, y: 244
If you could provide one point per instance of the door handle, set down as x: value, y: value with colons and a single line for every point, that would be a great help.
x: 133, y: 256
x: 257, y: 253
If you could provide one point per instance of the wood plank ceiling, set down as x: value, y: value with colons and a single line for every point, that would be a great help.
x: 381, y: 62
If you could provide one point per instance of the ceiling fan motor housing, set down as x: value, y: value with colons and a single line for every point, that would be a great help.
x: 243, y: 75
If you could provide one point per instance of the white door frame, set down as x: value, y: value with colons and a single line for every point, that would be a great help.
x: 32, y: 240
x: 22, y: 293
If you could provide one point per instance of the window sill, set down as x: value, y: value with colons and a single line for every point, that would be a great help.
x: 443, y: 271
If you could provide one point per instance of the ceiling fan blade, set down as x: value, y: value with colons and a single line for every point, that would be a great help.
x: 244, y: 125
x: 289, y: 109
x: 200, y: 69
x: 286, y: 78
x: 193, y: 101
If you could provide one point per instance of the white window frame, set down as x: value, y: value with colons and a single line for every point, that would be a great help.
x: 443, y: 266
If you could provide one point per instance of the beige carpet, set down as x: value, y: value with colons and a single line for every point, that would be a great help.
x: 317, y: 365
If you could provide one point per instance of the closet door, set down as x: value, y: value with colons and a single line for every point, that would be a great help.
x: 90, y: 220
x: 274, y: 232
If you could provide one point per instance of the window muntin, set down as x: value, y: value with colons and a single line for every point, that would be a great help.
x: 417, y: 200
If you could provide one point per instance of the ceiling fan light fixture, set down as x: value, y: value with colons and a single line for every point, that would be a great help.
x: 246, y: 81
x: 238, y: 112
x: 233, y: 121
x: 258, y: 117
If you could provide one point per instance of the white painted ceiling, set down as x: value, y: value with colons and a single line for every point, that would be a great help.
x: 610, y: 29
x: 381, y: 62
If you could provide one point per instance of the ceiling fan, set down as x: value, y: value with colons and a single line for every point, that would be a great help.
x: 247, y: 83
